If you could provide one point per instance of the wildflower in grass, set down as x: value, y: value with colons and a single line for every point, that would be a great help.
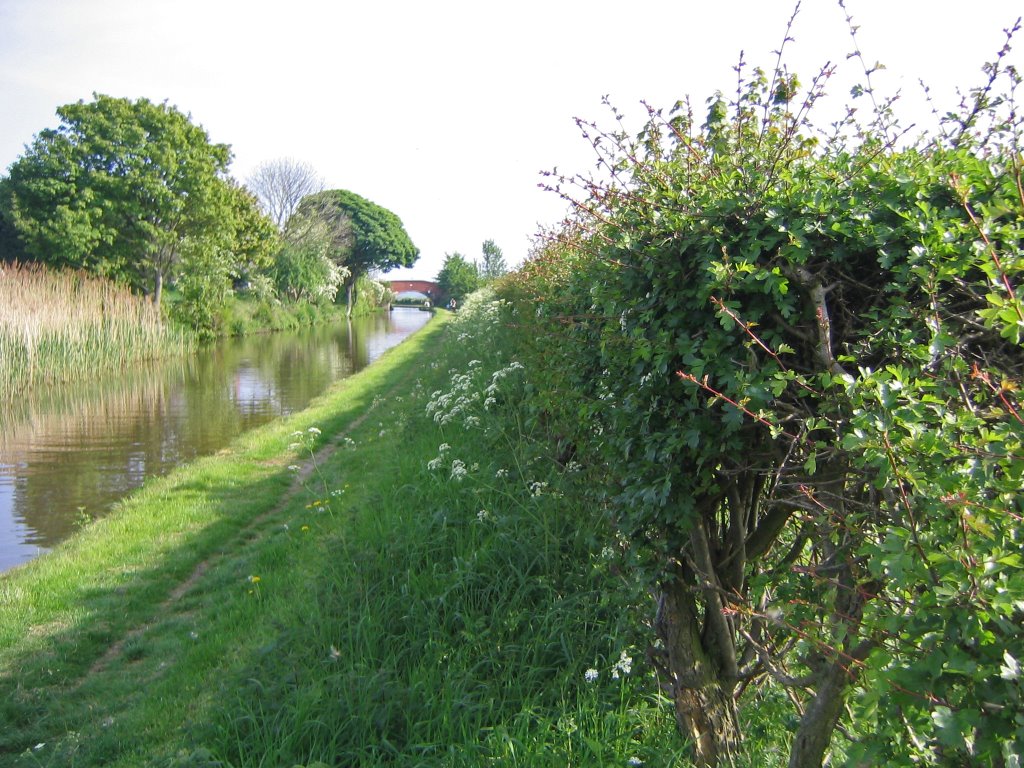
x: 334, y: 654
x: 537, y: 489
x: 591, y: 675
x: 294, y: 467
x: 337, y: 492
x: 634, y: 761
x: 304, y: 529
x: 573, y: 466
x: 623, y: 666
x: 501, y: 473
x: 435, y: 464
x: 484, y: 516
x: 294, y: 446
x: 313, y: 431
x: 459, y: 470
x: 348, y: 442
x: 255, y: 581
x: 443, y: 447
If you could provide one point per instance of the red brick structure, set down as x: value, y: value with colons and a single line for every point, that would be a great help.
x: 420, y: 286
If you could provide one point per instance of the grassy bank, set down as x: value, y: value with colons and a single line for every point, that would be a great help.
x: 56, y: 325
x: 394, y: 576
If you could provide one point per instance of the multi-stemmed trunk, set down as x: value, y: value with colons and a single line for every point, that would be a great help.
x: 704, y: 704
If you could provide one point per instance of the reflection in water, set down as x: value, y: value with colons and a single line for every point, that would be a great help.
x: 73, y: 451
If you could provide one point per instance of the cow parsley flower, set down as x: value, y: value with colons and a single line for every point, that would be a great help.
x: 623, y: 666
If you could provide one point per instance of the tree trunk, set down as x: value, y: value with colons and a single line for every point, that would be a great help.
x: 158, y: 290
x: 705, y: 709
x: 348, y: 296
x: 840, y: 668
x: 820, y: 718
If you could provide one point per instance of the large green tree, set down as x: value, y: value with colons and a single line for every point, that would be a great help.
x: 458, y: 277
x: 119, y: 188
x: 364, y: 237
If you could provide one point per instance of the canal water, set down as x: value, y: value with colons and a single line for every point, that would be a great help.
x: 67, y: 455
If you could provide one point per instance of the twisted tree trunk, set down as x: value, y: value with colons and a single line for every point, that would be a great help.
x: 704, y: 705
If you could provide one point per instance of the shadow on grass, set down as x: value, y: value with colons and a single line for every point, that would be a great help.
x: 124, y: 646
x: 93, y: 658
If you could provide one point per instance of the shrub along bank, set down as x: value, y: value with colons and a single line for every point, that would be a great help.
x: 794, y: 359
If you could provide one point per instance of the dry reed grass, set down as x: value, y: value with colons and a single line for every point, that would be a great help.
x: 59, y: 326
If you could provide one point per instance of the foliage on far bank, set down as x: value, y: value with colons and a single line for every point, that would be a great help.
x: 362, y: 236
x: 135, y: 192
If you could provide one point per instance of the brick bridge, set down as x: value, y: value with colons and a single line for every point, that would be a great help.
x: 425, y: 287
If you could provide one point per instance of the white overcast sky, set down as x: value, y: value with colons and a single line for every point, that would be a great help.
x: 446, y: 111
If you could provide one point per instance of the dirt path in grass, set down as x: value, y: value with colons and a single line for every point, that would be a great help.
x: 305, y: 471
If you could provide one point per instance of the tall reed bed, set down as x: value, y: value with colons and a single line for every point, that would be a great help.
x: 65, y: 325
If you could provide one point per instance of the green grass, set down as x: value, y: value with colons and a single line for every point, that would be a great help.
x: 433, y: 594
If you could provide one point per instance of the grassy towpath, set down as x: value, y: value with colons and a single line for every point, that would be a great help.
x: 113, y: 641
x: 400, y: 575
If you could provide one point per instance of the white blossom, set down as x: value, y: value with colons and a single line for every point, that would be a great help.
x: 623, y: 666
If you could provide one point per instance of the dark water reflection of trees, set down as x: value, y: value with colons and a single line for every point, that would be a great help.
x: 73, y: 449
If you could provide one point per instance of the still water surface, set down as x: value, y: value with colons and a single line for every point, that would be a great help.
x: 70, y: 453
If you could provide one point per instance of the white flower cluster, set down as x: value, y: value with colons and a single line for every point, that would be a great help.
x: 623, y: 666
x: 459, y: 470
x: 469, y: 395
x: 480, y: 316
x: 439, y: 461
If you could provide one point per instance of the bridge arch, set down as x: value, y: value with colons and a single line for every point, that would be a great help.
x: 428, y: 288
